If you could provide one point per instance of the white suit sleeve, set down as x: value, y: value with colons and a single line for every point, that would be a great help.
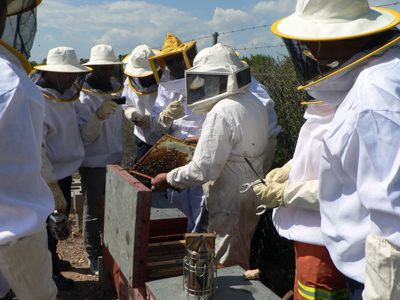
x: 47, y: 170
x: 160, y: 105
x: 302, y: 194
x: 91, y: 129
x: 89, y: 123
x: 212, y: 152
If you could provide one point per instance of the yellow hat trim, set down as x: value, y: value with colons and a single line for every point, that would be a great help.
x: 25, y: 63
x: 350, y: 65
x: 140, y: 93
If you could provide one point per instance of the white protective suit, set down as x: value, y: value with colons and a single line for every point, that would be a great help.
x: 143, y: 103
x: 61, y: 134
x: 295, y: 223
x: 191, y: 200
x: 25, y: 199
x: 258, y: 90
x: 107, y: 147
x: 359, y: 169
x: 233, y: 129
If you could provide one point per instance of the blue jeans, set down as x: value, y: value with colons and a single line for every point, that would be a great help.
x: 142, y: 149
x: 355, y: 289
x: 93, y: 182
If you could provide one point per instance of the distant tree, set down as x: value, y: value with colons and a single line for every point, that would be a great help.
x: 83, y: 60
x: 44, y: 61
x: 33, y: 63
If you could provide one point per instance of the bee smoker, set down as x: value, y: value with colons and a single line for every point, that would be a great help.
x: 199, y: 270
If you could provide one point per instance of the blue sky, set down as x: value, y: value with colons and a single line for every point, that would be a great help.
x: 125, y: 24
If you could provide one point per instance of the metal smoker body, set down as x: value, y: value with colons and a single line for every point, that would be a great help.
x: 200, y: 270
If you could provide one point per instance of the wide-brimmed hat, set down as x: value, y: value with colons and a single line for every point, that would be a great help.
x: 328, y: 20
x: 19, y: 6
x: 63, y: 59
x: 138, y: 64
x: 103, y: 55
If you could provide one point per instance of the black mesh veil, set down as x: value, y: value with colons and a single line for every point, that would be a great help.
x: 306, y: 68
x: 20, y: 31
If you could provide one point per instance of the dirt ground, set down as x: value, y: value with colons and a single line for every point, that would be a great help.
x: 87, y: 285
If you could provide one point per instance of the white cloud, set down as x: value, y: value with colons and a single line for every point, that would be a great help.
x: 224, y: 19
x: 278, y: 9
x: 127, y: 24
x: 49, y: 37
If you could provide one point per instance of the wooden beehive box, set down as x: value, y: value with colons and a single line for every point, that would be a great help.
x: 143, y: 233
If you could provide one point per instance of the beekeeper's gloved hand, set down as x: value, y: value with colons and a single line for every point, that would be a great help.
x: 107, y: 107
x: 59, y: 199
x: 280, y: 174
x: 297, y: 194
x: 173, y: 111
x: 141, y: 121
x: 271, y: 193
x: 133, y: 115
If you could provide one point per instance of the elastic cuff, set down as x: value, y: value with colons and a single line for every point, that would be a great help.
x: 100, y: 118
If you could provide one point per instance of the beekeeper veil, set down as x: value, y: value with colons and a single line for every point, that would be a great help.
x: 217, y: 73
x: 173, y: 46
x: 21, y: 25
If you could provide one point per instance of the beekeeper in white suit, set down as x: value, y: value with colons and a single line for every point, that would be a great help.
x: 62, y: 151
x: 140, y: 90
x: 298, y: 216
x: 100, y: 119
x: 25, y: 199
x: 236, y: 127
x: 170, y: 116
x: 359, y: 166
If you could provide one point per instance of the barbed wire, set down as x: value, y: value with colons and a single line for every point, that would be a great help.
x: 388, y: 4
x: 257, y: 27
x: 259, y: 47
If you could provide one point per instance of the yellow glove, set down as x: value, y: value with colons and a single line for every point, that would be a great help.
x: 173, y: 111
x: 59, y: 199
x: 280, y: 174
x: 106, y: 108
x: 270, y: 194
x: 141, y: 121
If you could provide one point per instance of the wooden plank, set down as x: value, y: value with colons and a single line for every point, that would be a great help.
x: 167, y: 243
x: 166, y: 248
x: 127, y: 223
x: 165, y: 257
x: 160, y: 227
x: 156, y: 264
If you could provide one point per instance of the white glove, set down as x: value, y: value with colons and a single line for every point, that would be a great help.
x: 141, y: 121
x: 280, y: 174
x: 302, y: 194
x: 47, y: 173
x: 91, y: 129
x: 270, y: 194
x: 173, y: 111
x: 59, y: 199
x: 297, y: 194
x: 106, y: 108
x: 133, y: 115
